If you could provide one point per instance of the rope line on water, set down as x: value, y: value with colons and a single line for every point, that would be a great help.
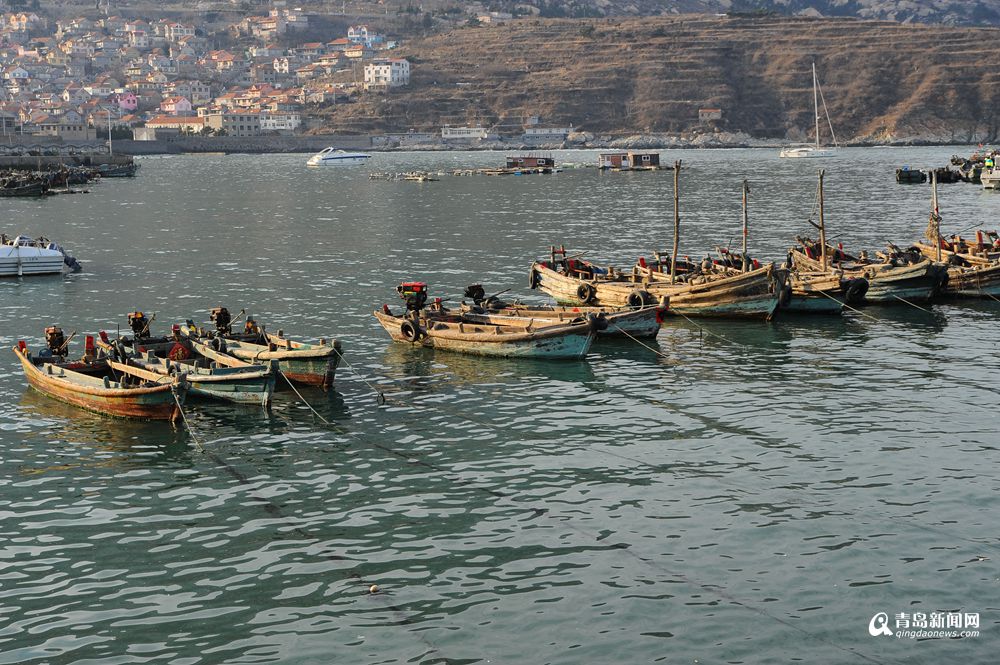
x: 303, y: 399
x: 187, y: 424
x: 708, y: 332
x: 910, y: 303
x: 853, y: 309
x: 642, y: 344
x: 379, y: 396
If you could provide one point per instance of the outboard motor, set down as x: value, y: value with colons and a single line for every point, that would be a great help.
x: 55, y: 341
x: 476, y: 292
x: 414, y: 294
x: 139, y: 324
x: 223, y: 322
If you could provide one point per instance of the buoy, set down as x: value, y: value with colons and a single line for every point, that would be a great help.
x: 373, y: 588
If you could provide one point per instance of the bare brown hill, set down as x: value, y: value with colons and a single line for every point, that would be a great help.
x: 881, y: 80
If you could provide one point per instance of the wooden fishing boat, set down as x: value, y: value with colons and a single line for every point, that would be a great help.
x: 31, y: 189
x: 298, y: 362
x: 892, y: 277
x: 439, y: 328
x: 622, y: 321
x: 104, y: 386
x: 973, y: 267
x: 214, y: 376
x: 824, y: 292
x: 752, y: 294
x: 514, y: 338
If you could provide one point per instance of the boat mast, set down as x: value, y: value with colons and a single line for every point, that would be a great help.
x: 677, y: 220
x: 746, y: 192
x: 822, y: 224
x: 111, y: 150
x: 816, y: 103
x: 935, y: 217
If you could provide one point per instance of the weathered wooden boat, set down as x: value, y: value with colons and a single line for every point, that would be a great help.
x: 892, y: 276
x: 973, y: 267
x: 752, y: 294
x: 437, y: 328
x: 298, y: 362
x: 895, y: 276
x: 824, y: 292
x: 27, y: 190
x: 102, y: 385
x: 634, y: 321
x: 118, y: 171
x: 212, y: 376
x: 906, y: 175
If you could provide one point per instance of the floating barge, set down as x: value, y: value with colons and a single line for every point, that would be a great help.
x: 629, y: 161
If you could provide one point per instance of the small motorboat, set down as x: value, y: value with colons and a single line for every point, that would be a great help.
x: 101, y: 385
x: 299, y: 362
x: 515, y: 337
x: 332, y: 157
x: 641, y: 321
x: 22, y: 255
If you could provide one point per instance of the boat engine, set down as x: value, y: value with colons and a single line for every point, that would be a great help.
x: 55, y: 341
x: 414, y: 294
x: 223, y: 322
x: 139, y: 324
x: 476, y: 292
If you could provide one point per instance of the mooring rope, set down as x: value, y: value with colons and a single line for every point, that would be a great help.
x: 855, y: 310
x: 642, y: 344
x: 303, y: 399
x: 708, y: 332
x: 910, y: 303
x: 187, y: 424
x: 379, y: 397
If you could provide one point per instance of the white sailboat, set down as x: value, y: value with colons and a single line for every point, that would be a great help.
x: 817, y: 150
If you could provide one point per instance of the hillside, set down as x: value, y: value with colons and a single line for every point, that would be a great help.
x: 882, y: 81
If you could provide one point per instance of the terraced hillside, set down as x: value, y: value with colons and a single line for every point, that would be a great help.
x: 881, y: 80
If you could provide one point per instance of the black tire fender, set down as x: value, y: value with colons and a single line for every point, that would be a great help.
x: 586, y: 293
x: 639, y: 298
x: 410, y: 331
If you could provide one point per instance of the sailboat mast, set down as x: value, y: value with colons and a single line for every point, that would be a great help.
x: 111, y: 150
x: 746, y: 192
x: 677, y: 220
x: 816, y: 103
x: 822, y: 224
x: 935, y: 216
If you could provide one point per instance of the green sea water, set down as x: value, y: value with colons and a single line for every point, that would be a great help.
x: 751, y: 493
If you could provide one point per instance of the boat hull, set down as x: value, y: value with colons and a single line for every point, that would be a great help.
x: 979, y: 277
x: 644, y: 322
x: 918, y: 282
x: 754, y: 294
x: 572, y: 344
x: 152, y: 403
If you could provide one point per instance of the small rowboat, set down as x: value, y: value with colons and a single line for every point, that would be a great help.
x: 894, y: 277
x: 105, y: 386
x: 752, y: 294
x: 298, y: 362
x: 824, y: 292
x: 514, y: 338
x: 635, y: 322
x: 973, y: 268
x: 224, y: 378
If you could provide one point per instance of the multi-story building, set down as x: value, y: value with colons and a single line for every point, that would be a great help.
x: 387, y: 73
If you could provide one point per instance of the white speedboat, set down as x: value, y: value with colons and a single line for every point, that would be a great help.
x: 331, y: 157
x: 24, y: 256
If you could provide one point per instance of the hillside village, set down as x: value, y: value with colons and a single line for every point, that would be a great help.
x: 75, y: 78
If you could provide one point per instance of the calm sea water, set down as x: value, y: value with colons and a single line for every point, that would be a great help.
x: 754, y: 494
